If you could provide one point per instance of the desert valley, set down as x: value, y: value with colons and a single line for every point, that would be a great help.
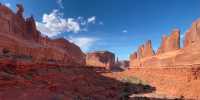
x: 36, y: 67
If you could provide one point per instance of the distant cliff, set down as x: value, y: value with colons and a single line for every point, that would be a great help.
x: 103, y: 59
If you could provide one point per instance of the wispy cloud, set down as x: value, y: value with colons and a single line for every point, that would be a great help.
x: 60, y: 3
x: 124, y: 31
x: 85, y: 43
x: 92, y: 19
x: 82, y: 21
x: 101, y: 23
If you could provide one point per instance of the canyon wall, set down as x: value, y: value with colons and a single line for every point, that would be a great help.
x: 19, y: 36
x: 169, y: 54
x: 103, y: 59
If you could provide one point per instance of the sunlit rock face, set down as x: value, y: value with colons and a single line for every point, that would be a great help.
x: 144, y: 51
x: 134, y: 61
x: 170, y: 43
x: 170, y: 54
x: 148, y: 50
x: 103, y: 59
x: 192, y: 36
x: 133, y: 56
x: 20, y: 36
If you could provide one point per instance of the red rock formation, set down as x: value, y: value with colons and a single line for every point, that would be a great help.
x: 31, y: 30
x: 170, y: 43
x: 148, y: 50
x: 140, y: 52
x: 133, y: 56
x: 20, y: 10
x: 145, y: 50
x: 134, y: 61
x: 192, y: 36
x: 20, y: 36
x: 100, y: 59
x: 121, y: 65
x: 170, y: 54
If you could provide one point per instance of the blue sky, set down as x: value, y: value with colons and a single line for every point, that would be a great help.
x: 119, y: 26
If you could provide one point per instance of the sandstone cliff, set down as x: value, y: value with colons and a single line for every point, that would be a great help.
x: 170, y: 54
x: 20, y: 37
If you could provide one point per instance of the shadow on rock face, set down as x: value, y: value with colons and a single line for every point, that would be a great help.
x: 66, y: 83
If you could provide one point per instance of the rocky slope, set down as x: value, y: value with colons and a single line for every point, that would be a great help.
x: 23, y: 80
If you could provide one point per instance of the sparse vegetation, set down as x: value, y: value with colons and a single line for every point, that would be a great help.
x: 129, y: 89
x: 134, y: 80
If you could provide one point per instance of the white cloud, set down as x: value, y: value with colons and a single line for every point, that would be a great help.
x: 92, y: 19
x: 85, y: 43
x: 82, y: 21
x: 59, y: 2
x: 73, y: 25
x: 54, y: 23
x: 8, y: 5
x: 101, y: 23
x: 124, y: 31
